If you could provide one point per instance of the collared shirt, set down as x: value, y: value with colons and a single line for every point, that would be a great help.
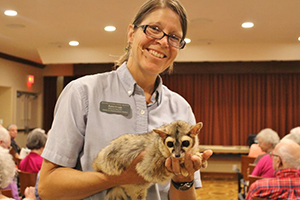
x: 286, y: 185
x: 81, y: 128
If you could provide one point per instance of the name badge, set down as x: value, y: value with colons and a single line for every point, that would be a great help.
x: 115, y: 108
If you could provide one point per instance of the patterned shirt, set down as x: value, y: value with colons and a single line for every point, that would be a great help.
x: 286, y: 185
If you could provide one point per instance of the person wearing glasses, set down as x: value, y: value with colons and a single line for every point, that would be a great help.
x: 286, y: 184
x: 131, y: 99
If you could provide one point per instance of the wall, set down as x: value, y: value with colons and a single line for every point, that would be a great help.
x: 13, y: 78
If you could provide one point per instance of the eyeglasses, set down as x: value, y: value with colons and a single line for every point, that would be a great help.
x: 274, y: 155
x: 156, y: 33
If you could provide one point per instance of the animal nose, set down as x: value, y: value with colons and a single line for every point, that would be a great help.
x: 177, y: 155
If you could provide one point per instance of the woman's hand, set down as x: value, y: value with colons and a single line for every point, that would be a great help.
x: 192, y: 164
x: 130, y: 175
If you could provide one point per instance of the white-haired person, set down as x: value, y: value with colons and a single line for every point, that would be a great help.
x: 5, y: 144
x: 286, y: 184
x: 13, y: 132
x: 36, y: 141
x: 267, y: 140
x: 294, y: 135
x: 7, y: 174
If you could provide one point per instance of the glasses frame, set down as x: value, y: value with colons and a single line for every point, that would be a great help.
x: 144, y: 28
x: 274, y: 155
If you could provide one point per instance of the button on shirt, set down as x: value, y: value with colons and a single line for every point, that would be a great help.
x: 80, y: 129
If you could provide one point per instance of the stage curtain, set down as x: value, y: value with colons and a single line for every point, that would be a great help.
x: 232, y: 106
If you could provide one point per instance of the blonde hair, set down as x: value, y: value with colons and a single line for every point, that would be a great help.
x: 148, y: 8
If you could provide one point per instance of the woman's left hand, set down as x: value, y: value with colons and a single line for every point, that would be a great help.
x: 192, y: 164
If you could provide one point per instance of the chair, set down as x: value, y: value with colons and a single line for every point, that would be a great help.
x: 251, y: 168
x: 252, y: 179
x: 13, y: 153
x: 245, y: 161
x: 7, y: 193
x: 26, y: 179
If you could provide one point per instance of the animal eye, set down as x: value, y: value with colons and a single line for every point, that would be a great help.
x: 185, y: 143
x: 170, y: 144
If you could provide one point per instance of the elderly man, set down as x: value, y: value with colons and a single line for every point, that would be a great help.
x: 13, y: 132
x: 286, y: 184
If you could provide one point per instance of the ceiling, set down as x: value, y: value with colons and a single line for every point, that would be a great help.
x: 46, y: 26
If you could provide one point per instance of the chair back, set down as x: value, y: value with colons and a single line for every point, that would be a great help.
x: 13, y: 153
x: 7, y: 193
x: 245, y: 161
x: 251, y: 168
x: 252, y: 179
x: 26, y: 179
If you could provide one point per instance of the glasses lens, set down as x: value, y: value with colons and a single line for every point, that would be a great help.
x: 156, y: 33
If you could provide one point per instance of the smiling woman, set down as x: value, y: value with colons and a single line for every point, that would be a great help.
x: 154, y: 40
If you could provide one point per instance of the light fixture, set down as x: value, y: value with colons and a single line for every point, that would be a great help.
x: 247, y: 25
x: 298, y: 38
x: 73, y: 43
x: 187, y: 40
x: 10, y: 13
x: 109, y: 28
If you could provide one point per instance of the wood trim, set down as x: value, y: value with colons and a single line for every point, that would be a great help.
x: 239, y: 67
x: 21, y: 60
x: 253, y: 67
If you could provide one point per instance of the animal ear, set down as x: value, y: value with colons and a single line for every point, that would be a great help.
x: 196, y: 129
x: 161, y: 133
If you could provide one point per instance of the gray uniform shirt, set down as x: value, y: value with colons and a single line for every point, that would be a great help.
x: 81, y: 129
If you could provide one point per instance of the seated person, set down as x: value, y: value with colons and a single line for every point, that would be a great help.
x: 7, y: 173
x: 294, y: 135
x: 267, y: 140
x: 5, y: 143
x: 36, y: 141
x: 13, y: 132
x: 286, y: 184
x: 254, y: 148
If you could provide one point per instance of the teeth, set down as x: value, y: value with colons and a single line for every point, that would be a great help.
x: 154, y: 53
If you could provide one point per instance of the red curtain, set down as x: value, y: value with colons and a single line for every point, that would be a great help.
x: 232, y: 106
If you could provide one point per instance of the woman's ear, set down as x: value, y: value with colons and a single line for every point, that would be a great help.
x: 130, y: 33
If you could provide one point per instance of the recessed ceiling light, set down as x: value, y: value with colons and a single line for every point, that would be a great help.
x: 187, y: 40
x: 10, y: 13
x: 110, y: 28
x: 247, y: 25
x: 298, y: 38
x: 73, y: 43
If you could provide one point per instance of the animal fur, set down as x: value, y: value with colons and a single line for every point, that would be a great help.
x: 169, y: 140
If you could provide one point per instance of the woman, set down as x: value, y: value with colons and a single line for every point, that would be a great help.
x: 267, y: 140
x: 7, y: 174
x: 36, y: 141
x: 96, y: 109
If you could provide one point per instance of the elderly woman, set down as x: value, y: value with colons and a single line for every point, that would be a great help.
x: 36, y: 141
x: 267, y: 140
x: 7, y: 173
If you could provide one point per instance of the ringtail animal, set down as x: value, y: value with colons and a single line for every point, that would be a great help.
x: 173, y: 139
